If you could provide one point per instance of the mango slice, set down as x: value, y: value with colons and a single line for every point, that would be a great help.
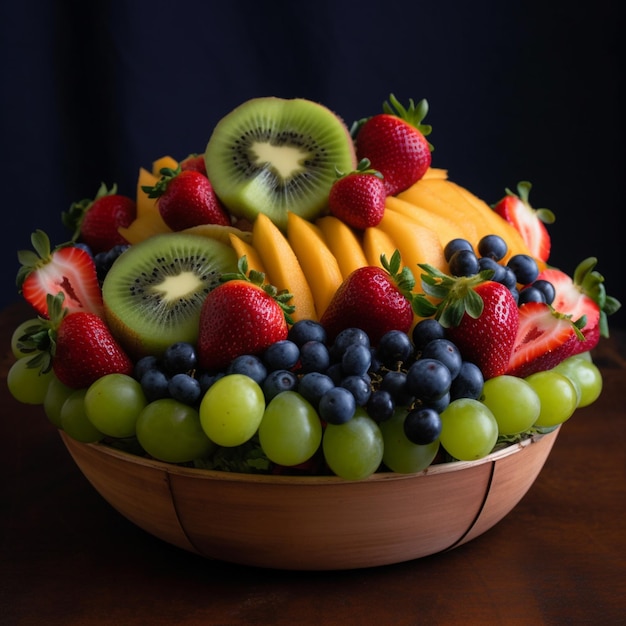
x: 244, y: 248
x: 375, y: 243
x: 164, y: 161
x: 344, y: 243
x: 317, y: 261
x: 282, y: 267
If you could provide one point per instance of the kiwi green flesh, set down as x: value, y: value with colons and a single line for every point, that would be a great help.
x: 154, y: 291
x: 273, y: 155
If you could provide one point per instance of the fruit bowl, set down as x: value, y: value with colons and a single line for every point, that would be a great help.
x: 314, y: 523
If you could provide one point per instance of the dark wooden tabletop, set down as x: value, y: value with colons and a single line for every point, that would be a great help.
x: 558, y: 558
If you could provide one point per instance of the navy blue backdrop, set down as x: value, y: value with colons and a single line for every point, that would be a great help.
x: 518, y: 90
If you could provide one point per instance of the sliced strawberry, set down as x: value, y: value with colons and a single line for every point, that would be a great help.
x: 583, y: 297
x: 530, y: 222
x: 67, y: 269
x: 544, y: 339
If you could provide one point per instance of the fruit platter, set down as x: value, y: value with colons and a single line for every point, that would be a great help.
x: 306, y: 347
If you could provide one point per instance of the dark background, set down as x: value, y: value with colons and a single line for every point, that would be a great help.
x: 518, y: 90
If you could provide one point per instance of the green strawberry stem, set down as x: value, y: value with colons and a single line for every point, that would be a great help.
x: 363, y: 167
x: 258, y: 278
x: 159, y: 188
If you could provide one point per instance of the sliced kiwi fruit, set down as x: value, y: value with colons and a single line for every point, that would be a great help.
x: 154, y: 291
x: 273, y: 155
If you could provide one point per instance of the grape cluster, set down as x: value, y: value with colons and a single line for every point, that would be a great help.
x: 519, y: 270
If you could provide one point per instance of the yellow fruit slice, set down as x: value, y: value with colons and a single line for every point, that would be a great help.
x: 282, y: 268
x: 317, y: 261
x: 445, y: 228
x: 148, y: 221
x: 344, y: 243
x: 164, y: 161
x: 244, y: 248
x: 375, y: 243
x: 416, y: 243
x: 219, y: 232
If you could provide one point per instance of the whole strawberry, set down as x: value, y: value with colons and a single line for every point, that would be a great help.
x: 374, y: 299
x: 78, y: 346
x: 96, y: 221
x: 480, y: 317
x: 243, y: 315
x: 583, y: 297
x: 186, y: 199
x: 358, y: 198
x: 395, y: 143
x: 67, y: 269
x: 544, y: 339
x: 529, y: 222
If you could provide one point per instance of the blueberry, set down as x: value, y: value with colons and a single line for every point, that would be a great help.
x: 493, y: 247
x: 337, y: 406
x: 530, y: 293
x: 454, y: 245
x: 306, y: 330
x: 278, y: 381
x: 313, y: 385
x: 468, y: 382
x: 394, y: 347
x: 155, y: 385
x: 347, y: 337
x: 179, y: 357
x: 185, y: 389
x: 356, y: 360
x: 144, y: 364
x: 547, y: 288
x: 395, y: 383
x: 487, y: 263
x: 438, y: 404
x: 422, y: 426
x: 445, y: 351
x: 428, y: 379
x: 380, y: 406
x: 282, y: 355
x: 463, y: 263
x: 359, y: 386
x: 524, y: 267
x: 426, y: 330
x: 314, y: 357
x: 248, y: 365
x: 509, y: 279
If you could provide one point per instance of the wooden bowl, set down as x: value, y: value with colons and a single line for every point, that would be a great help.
x: 314, y: 523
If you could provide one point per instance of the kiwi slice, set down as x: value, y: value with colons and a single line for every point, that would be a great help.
x: 273, y: 155
x: 154, y: 291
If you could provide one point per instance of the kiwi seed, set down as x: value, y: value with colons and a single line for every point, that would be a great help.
x: 154, y: 291
x: 273, y: 155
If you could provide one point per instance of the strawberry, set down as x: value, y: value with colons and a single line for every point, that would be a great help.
x: 96, y: 221
x: 480, y: 317
x: 583, y: 297
x: 529, y: 222
x: 194, y: 162
x: 78, y: 346
x: 373, y: 298
x: 358, y: 198
x: 186, y: 199
x: 544, y: 339
x: 243, y: 315
x: 68, y: 269
x: 395, y: 143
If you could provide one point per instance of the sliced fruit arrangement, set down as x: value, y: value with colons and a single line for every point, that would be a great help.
x: 283, y: 308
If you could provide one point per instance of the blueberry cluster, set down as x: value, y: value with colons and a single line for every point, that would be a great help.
x: 104, y: 260
x: 519, y: 273
x: 421, y: 373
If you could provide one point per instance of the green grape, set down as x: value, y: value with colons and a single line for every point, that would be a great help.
x: 353, y: 450
x: 28, y: 384
x: 231, y: 410
x: 113, y: 404
x: 170, y: 431
x: 290, y: 432
x: 26, y: 325
x: 401, y: 455
x: 585, y: 376
x: 56, y: 394
x: 513, y: 402
x: 74, y: 420
x: 469, y: 429
x: 558, y: 397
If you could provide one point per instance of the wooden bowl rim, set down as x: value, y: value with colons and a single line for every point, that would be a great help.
x: 219, y: 475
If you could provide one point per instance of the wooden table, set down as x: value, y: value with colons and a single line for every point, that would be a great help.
x: 559, y: 558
